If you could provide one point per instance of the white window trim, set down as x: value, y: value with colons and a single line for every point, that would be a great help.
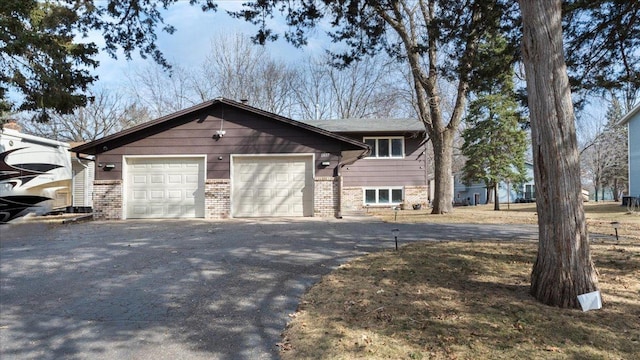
x: 377, y: 189
x: 377, y: 147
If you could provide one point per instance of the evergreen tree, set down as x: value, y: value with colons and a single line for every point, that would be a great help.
x: 43, y: 60
x: 494, y: 140
x: 616, y: 174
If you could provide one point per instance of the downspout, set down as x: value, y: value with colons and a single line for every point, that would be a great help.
x: 338, y: 175
x: 88, y: 158
x: 338, y: 172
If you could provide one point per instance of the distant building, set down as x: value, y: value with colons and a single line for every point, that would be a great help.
x: 632, y: 121
x: 476, y: 192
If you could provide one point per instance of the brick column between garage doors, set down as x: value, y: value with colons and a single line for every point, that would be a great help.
x: 107, y: 199
x: 217, y: 199
x: 326, y: 202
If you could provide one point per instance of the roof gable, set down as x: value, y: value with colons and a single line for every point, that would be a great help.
x: 168, y: 121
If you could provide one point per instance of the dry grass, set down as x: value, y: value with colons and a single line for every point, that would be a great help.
x: 599, y: 216
x: 466, y: 300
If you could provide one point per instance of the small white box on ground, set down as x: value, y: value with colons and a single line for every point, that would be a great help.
x: 590, y: 301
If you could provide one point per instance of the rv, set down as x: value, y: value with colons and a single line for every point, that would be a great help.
x: 35, y: 175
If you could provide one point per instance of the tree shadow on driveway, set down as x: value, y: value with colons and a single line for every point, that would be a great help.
x: 166, y: 289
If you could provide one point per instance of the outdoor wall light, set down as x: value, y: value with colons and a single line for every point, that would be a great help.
x: 325, y: 163
x: 109, y: 167
x: 219, y: 134
x: 395, y: 233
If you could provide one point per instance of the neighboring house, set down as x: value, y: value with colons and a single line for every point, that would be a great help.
x: 632, y: 121
x: 83, y: 169
x: 476, y: 192
x: 395, y: 171
x: 220, y: 159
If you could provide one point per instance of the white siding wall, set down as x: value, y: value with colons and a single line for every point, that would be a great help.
x: 634, y: 155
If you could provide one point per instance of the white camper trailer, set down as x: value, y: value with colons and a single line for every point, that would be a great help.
x: 35, y: 175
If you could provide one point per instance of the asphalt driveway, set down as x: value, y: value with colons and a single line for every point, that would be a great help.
x: 178, y: 289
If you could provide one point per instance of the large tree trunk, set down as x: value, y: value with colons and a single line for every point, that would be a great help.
x: 496, y: 204
x: 443, y: 160
x: 563, y: 268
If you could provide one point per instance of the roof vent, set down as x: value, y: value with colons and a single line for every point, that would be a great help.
x: 244, y: 100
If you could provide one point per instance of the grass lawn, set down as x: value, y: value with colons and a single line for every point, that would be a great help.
x: 469, y: 300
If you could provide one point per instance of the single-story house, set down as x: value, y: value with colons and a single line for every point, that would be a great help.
x: 476, y: 192
x: 632, y: 121
x: 220, y: 159
x: 394, y: 173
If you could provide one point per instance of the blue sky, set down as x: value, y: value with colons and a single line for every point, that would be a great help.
x: 191, y: 42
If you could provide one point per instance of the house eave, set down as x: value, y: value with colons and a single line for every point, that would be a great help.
x: 94, y: 147
x: 625, y: 119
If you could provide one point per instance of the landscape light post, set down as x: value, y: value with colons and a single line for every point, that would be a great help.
x: 395, y: 233
x: 615, y: 225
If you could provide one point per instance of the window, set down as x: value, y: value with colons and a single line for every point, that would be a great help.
x: 389, y: 147
x: 383, y: 196
x: 530, y: 192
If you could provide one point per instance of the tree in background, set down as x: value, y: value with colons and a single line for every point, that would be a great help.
x: 105, y: 114
x: 39, y: 57
x: 163, y: 93
x: 604, y: 154
x: 615, y: 136
x: 237, y: 69
x: 494, y: 141
x: 367, y: 89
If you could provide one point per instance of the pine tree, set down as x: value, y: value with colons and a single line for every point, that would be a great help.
x: 494, y: 140
x: 615, y: 175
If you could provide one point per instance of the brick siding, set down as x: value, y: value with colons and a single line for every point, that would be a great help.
x: 352, y: 197
x: 217, y: 199
x: 107, y: 199
x: 326, y: 199
x: 416, y: 195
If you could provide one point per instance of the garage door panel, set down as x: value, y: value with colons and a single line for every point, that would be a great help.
x: 174, y: 179
x: 141, y: 179
x: 165, y: 187
x: 191, y: 179
x: 156, y: 179
x: 272, y: 186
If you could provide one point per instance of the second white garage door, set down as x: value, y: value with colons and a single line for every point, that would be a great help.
x: 165, y: 187
x: 272, y: 186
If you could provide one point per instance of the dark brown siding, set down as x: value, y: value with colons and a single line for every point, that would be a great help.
x: 246, y: 133
x: 389, y: 172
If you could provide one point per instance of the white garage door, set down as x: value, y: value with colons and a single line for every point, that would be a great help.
x: 272, y: 186
x: 165, y: 187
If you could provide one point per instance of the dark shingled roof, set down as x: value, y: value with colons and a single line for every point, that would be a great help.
x: 368, y: 125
